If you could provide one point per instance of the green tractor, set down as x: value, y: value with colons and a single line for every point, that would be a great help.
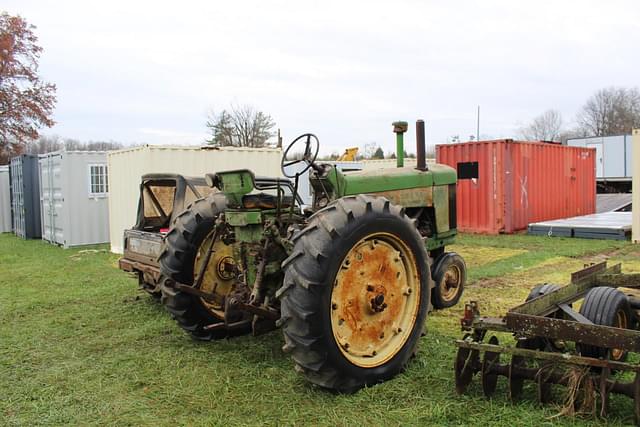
x: 350, y: 279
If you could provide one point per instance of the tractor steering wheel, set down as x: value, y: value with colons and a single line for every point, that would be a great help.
x: 292, y: 157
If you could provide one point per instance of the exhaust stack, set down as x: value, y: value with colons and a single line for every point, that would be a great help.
x: 399, y: 128
x: 421, y: 153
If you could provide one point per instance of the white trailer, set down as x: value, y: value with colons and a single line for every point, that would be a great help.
x: 613, y: 160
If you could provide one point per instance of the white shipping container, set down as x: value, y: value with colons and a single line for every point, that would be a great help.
x: 613, y: 155
x: 74, y: 191
x: 127, y: 166
x: 5, y: 200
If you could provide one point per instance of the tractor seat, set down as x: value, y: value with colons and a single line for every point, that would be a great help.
x: 265, y: 201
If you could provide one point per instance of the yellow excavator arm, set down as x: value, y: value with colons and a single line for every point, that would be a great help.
x: 349, y: 155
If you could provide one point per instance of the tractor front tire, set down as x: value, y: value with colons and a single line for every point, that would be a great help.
x: 189, y: 229
x: 449, y: 276
x: 355, y: 294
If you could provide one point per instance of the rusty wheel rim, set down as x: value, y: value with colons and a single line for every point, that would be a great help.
x: 217, y: 277
x: 450, y: 283
x: 621, y: 322
x: 375, y: 300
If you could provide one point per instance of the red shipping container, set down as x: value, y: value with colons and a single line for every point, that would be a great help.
x: 503, y: 185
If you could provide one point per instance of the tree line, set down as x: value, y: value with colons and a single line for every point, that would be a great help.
x: 27, y: 103
x: 609, y: 111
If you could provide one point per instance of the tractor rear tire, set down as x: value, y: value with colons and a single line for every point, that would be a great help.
x: 449, y: 276
x: 355, y: 256
x: 606, y: 306
x: 188, y: 231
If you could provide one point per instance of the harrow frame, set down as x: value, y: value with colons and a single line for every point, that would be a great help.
x: 542, y: 327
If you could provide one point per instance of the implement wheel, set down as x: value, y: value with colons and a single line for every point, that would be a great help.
x: 450, y: 276
x: 355, y: 294
x: 542, y: 343
x: 185, y: 248
x: 609, y: 307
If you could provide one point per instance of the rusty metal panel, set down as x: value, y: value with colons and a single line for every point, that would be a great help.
x: 520, y: 182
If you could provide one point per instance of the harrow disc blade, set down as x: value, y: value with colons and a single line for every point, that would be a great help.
x: 544, y: 387
x: 489, y: 375
x: 515, y: 381
x: 604, y: 391
x: 465, y: 366
x: 636, y: 398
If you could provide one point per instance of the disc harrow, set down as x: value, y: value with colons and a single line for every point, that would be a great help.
x: 585, y: 351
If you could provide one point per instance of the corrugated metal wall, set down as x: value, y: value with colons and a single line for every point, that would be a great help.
x: 519, y: 183
x: 126, y: 167
x: 25, y: 196
x: 5, y: 200
x: 613, y: 155
x: 73, y: 213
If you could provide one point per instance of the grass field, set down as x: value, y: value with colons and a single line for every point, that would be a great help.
x: 80, y: 345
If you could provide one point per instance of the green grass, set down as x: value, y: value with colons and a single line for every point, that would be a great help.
x: 80, y: 345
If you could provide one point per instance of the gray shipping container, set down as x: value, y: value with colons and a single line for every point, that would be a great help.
x: 25, y: 196
x: 5, y: 200
x: 613, y: 156
x: 74, y: 195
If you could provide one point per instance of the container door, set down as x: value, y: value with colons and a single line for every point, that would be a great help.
x: 599, y: 159
x: 17, y: 186
x: 45, y: 199
x: 57, y: 200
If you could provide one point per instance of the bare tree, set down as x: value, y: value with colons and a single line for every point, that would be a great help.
x: 71, y: 144
x: 242, y: 126
x: 45, y: 144
x: 610, y: 111
x: 545, y: 127
x: 368, y: 150
x: 26, y: 102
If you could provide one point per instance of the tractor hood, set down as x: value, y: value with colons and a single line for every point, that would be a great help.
x: 390, y: 179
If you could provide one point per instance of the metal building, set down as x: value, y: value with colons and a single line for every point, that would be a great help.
x: 74, y: 190
x: 5, y: 200
x: 613, y: 159
x: 127, y: 166
x: 25, y: 196
x: 504, y: 185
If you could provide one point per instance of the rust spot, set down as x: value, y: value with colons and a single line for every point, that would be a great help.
x: 373, y: 273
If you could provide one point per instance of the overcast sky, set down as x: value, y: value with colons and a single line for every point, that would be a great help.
x: 149, y: 71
